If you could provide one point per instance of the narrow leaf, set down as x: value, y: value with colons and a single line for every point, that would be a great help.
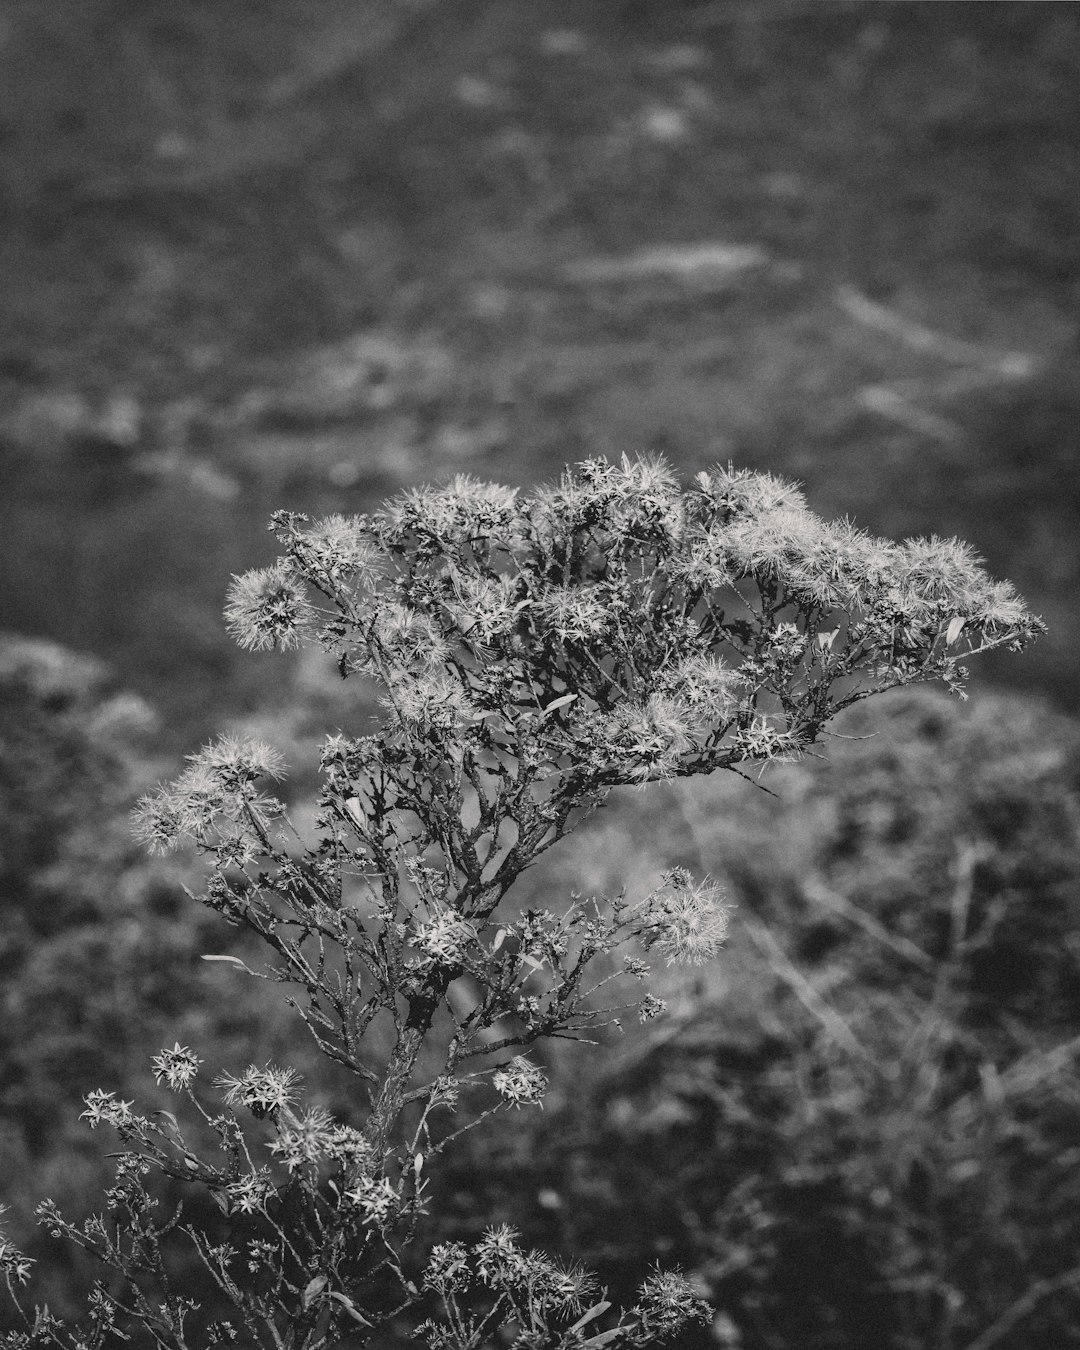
x: 591, y: 1315
x: 500, y: 938
x: 350, y: 1308
x: 605, y: 1338
x: 559, y: 703
x: 231, y: 960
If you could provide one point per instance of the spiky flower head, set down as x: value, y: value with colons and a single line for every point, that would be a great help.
x: 215, y: 795
x: 13, y: 1264
x: 250, y: 1192
x: 104, y: 1108
x: 686, y: 921
x: 430, y: 701
x: 735, y: 493
x: 377, y: 1200
x: 177, y: 1067
x: 448, y: 1268
x: 240, y: 757
x: 263, y: 1091
x: 409, y: 639
x: 268, y: 607
x: 574, y: 613
x: 668, y: 1301
x: 341, y: 547
x: 306, y: 1139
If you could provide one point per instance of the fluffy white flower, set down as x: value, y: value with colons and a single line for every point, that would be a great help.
x: 684, y: 920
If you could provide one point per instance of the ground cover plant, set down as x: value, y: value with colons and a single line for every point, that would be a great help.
x: 533, y: 653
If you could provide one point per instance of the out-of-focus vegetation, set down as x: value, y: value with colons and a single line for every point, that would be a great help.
x: 275, y: 254
x: 861, y: 1125
x: 272, y: 253
x: 101, y: 945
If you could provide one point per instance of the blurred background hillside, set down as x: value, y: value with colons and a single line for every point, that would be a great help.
x: 271, y: 253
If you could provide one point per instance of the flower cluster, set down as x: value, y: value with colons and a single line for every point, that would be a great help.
x: 610, y: 628
x: 249, y: 1193
x: 377, y: 1199
x: 501, y: 1263
x: 542, y: 1297
x: 13, y: 1264
x: 177, y: 1067
x: 445, y: 939
x: 520, y: 1083
x: 215, y: 801
x: 269, y: 607
x: 668, y: 1301
x: 307, y: 1138
x: 262, y: 1091
x: 650, y: 1008
x: 103, y: 1108
x: 448, y: 1267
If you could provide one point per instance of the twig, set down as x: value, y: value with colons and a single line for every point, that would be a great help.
x: 817, y: 892
x: 704, y: 264
x: 1025, y: 1304
x: 803, y: 990
x: 356, y: 36
x: 887, y: 403
x: 1014, y: 365
x: 1021, y: 1076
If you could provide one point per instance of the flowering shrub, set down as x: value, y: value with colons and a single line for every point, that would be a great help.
x: 532, y: 653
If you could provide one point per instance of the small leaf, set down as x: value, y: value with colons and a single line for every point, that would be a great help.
x: 532, y: 962
x: 231, y: 960
x: 350, y: 1308
x: 956, y: 625
x: 559, y: 703
x: 418, y: 1163
x: 605, y: 1338
x: 826, y: 640
x: 314, y: 1288
x: 591, y: 1315
x: 191, y: 1164
x: 500, y: 938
